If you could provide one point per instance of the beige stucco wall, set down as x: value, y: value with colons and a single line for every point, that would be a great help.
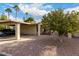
x: 28, y: 29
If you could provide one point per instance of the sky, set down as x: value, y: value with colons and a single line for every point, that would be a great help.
x: 36, y: 10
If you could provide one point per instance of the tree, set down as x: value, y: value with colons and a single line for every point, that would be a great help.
x: 29, y: 20
x: 26, y: 14
x: 45, y: 23
x: 62, y: 23
x: 73, y: 22
x: 8, y: 10
x: 3, y: 17
x: 24, y: 18
x: 17, y: 9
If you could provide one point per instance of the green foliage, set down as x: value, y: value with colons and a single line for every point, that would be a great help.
x: 3, y: 17
x: 17, y: 9
x: 8, y: 10
x: 2, y: 27
x: 29, y: 20
x: 24, y: 18
x: 62, y: 22
x: 26, y: 13
x: 45, y: 22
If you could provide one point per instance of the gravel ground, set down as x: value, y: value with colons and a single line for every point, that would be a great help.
x: 42, y: 46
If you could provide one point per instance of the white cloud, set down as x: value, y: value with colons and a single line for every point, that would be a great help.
x: 71, y: 9
x: 38, y: 20
x: 37, y: 5
x: 48, y: 6
x: 33, y: 9
x: 13, y: 18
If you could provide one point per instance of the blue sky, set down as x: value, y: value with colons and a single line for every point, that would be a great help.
x: 37, y: 10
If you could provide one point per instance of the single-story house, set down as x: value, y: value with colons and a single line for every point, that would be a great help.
x: 23, y: 27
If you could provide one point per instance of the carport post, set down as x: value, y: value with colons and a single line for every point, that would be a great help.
x: 17, y: 31
x: 39, y: 29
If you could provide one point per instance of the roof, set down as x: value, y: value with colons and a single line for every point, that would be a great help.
x: 14, y: 22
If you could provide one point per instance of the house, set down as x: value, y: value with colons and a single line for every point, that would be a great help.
x: 23, y: 27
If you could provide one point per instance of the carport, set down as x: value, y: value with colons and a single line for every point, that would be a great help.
x: 23, y: 27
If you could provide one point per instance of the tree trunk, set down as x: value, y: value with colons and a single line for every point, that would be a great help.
x: 60, y: 38
x: 16, y: 16
x: 8, y: 16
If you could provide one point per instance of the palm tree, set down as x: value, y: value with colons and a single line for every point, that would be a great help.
x: 26, y: 14
x: 17, y: 9
x: 8, y: 10
x: 24, y: 18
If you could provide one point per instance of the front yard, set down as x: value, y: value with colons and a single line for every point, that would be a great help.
x: 41, y: 46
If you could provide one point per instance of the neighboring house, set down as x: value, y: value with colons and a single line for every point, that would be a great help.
x: 23, y: 27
